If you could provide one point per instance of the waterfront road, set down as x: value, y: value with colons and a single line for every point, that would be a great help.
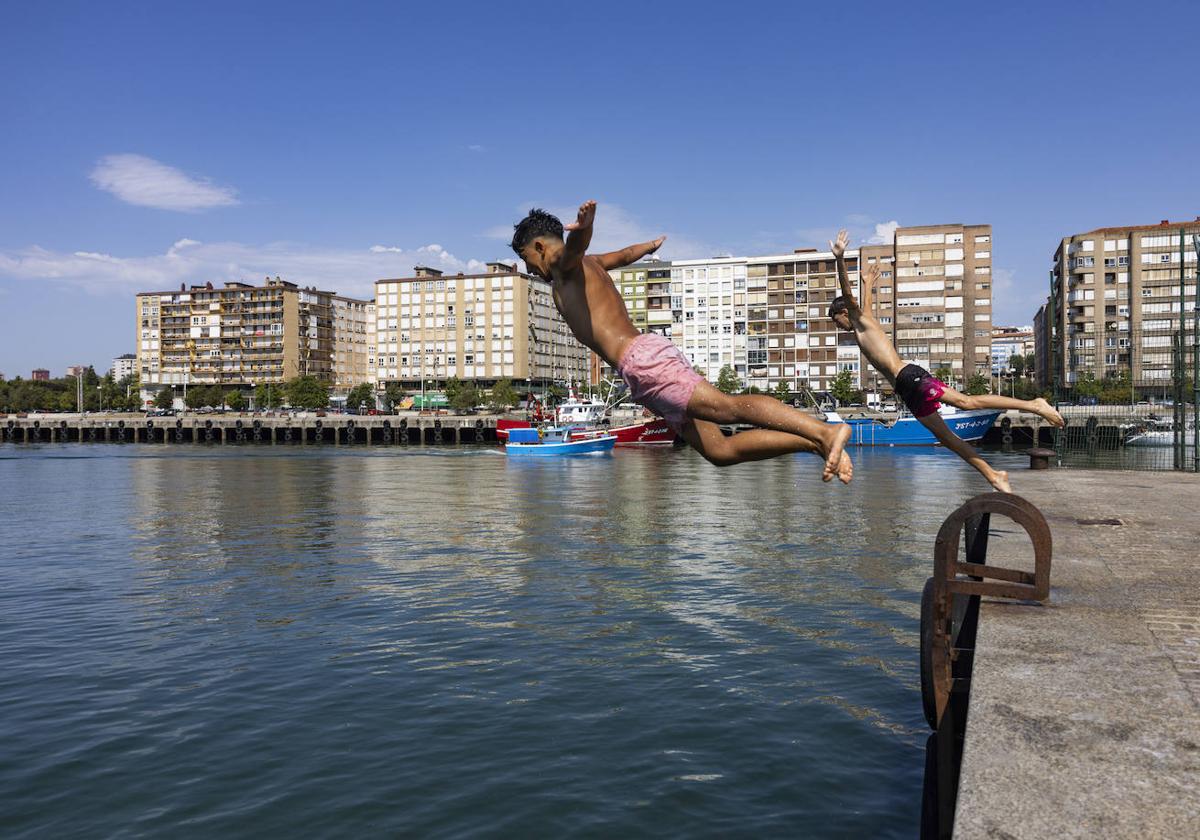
x: 1084, y: 714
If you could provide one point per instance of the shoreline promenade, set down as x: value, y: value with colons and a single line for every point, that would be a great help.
x: 1084, y: 717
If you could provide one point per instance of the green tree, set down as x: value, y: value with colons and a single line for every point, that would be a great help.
x: 1030, y: 364
x: 978, y: 384
x: 165, y: 397
x: 1086, y: 385
x: 782, y: 392
x: 361, y: 395
x: 307, y: 392
x: 554, y: 394
x: 196, y: 397
x: 1016, y: 364
x: 466, y: 395
x: 453, y: 384
x: 393, y: 395
x: 1116, y: 389
x: 945, y: 374
x: 727, y: 380
x: 842, y: 388
x: 503, y: 395
x: 235, y: 400
x: 269, y: 395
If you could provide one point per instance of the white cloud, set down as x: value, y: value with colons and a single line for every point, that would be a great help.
x: 348, y: 271
x: 885, y: 233
x: 476, y: 147
x: 136, y: 179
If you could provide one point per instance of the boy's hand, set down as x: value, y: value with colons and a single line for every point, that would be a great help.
x: 839, y: 247
x: 587, y: 215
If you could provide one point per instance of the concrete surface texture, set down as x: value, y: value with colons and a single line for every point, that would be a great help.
x: 1084, y: 715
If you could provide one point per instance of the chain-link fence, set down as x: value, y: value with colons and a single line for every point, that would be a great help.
x: 1132, y: 403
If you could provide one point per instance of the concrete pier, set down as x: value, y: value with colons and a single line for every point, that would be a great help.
x: 1084, y: 714
x: 331, y: 429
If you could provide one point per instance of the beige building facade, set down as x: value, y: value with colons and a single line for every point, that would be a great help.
x: 353, y: 340
x: 941, y: 298
x: 1115, y: 301
x: 501, y: 324
x: 236, y: 335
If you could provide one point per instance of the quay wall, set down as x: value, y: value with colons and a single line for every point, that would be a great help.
x: 334, y: 430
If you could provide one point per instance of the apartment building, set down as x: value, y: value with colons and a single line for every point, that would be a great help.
x: 1008, y: 342
x: 708, y: 313
x: 764, y: 317
x: 942, y: 298
x: 237, y: 335
x: 124, y: 365
x: 40, y: 375
x: 353, y: 340
x: 498, y: 325
x: 1042, y: 322
x: 646, y: 288
x: 1116, y: 300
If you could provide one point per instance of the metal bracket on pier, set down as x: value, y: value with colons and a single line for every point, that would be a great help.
x: 942, y: 614
x: 949, y: 620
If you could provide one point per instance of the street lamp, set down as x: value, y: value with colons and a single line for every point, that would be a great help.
x: 100, y: 391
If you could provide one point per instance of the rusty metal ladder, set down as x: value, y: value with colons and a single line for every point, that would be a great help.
x: 949, y: 620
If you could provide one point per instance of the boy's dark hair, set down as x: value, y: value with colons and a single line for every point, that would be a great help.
x: 537, y: 223
x: 838, y: 304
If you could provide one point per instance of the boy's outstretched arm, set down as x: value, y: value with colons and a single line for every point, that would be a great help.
x: 629, y: 255
x: 839, y: 256
x: 580, y: 236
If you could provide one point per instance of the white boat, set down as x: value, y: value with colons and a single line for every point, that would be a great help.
x: 1159, y: 433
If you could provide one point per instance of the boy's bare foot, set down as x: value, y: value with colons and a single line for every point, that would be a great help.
x: 835, y: 453
x: 657, y: 243
x: 845, y: 469
x: 1046, y: 411
x: 999, y: 480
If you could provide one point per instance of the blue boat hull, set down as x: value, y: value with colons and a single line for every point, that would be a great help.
x: 574, y: 447
x: 908, y: 431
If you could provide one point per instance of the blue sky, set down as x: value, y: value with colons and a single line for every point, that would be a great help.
x: 149, y: 144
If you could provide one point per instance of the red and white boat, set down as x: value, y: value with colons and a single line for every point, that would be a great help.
x: 588, y: 418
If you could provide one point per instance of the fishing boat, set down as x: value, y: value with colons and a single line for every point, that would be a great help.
x: 907, y: 430
x: 589, y: 418
x: 555, y: 440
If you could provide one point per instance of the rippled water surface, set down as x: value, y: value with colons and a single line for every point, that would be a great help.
x: 443, y: 642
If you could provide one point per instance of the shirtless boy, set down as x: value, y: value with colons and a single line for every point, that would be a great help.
x: 919, y: 389
x: 659, y: 376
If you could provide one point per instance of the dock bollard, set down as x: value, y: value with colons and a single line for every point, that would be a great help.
x: 1039, y: 459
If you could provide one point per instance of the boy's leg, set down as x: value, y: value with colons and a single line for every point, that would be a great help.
x: 707, y: 403
x: 964, y: 450
x: 754, y: 445
x: 1039, y: 406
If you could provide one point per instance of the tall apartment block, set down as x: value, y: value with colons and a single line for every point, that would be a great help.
x: 764, y: 317
x: 483, y: 327
x: 237, y: 335
x: 1116, y: 301
x: 1042, y: 324
x: 942, y: 298
x: 353, y: 342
